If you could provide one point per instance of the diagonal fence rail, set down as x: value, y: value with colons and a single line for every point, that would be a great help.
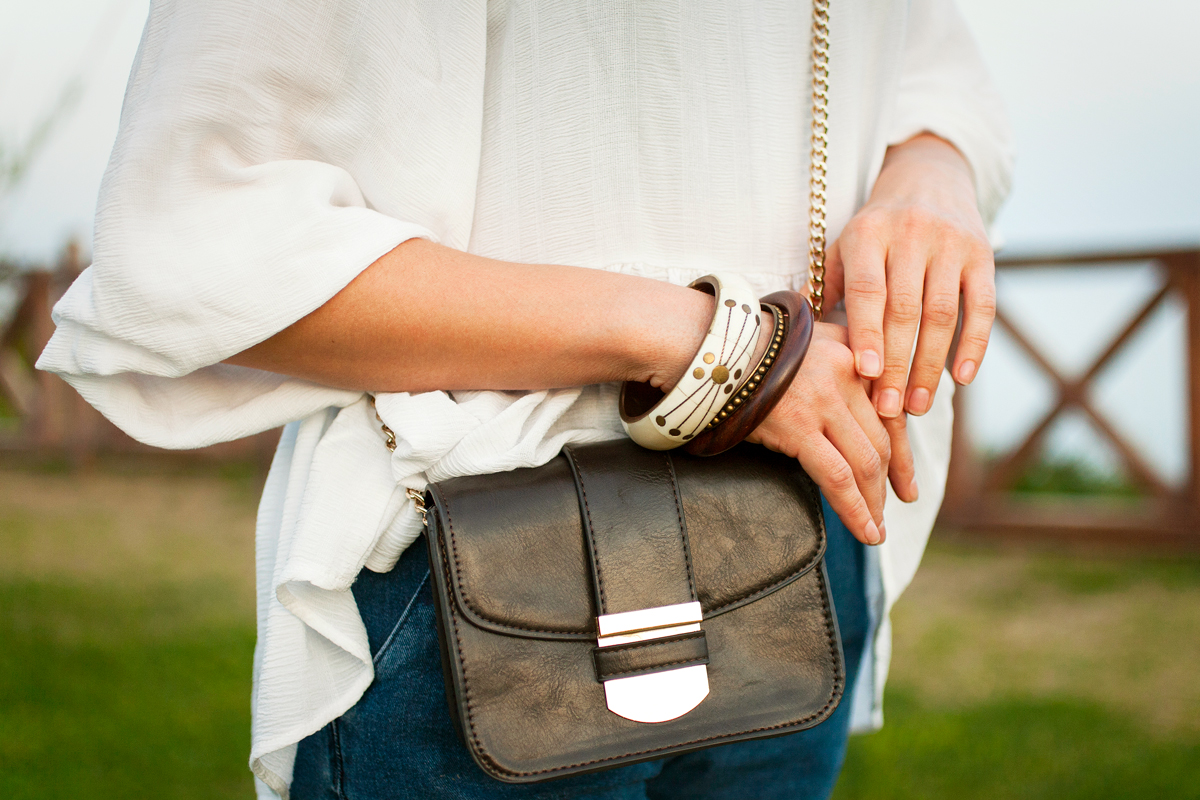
x: 980, y: 495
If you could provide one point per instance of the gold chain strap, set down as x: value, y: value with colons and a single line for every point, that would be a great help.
x: 389, y: 441
x: 819, y: 154
x: 389, y: 435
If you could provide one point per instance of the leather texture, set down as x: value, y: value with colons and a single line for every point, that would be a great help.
x: 633, y: 525
x: 658, y: 655
x: 512, y: 574
x: 759, y: 401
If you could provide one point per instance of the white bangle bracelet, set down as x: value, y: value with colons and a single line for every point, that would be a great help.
x: 661, y: 422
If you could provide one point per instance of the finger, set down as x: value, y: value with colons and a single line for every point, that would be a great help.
x: 834, y: 274
x: 870, y: 471
x: 939, y: 318
x: 833, y: 474
x: 858, y: 402
x: 864, y: 281
x: 979, y: 311
x: 906, y: 273
x: 902, y: 469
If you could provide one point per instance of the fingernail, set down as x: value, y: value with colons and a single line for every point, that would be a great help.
x: 882, y: 533
x: 918, y: 401
x: 966, y: 373
x: 912, y: 491
x: 872, y: 533
x: 869, y: 365
x: 889, y: 403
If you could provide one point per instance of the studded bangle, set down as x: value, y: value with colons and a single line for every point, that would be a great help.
x: 786, y: 353
x: 760, y: 370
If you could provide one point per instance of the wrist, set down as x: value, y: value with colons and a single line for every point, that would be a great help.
x: 663, y: 419
x: 670, y: 335
x: 908, y: 166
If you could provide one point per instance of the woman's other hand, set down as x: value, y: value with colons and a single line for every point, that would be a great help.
x: 827, y: 422
x: 902, y: 261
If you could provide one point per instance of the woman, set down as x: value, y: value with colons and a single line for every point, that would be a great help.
x: 483, y: 214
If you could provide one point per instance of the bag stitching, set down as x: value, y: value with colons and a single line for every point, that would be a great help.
x: 834, y: 695
x: 656, y: 667
x: 467, y: 601
x: 625, y: 648
x: 818, y: 553
x: 687, y: 551
x: 590, y: 531
x: 712, y: 612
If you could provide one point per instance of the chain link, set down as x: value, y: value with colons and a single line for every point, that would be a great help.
x: 389, y: 441
x: 418, y: 500
x: 389, y: 435
x: 819, y: 153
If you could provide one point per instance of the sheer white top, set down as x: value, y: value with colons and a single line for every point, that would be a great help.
x: 269, y: 151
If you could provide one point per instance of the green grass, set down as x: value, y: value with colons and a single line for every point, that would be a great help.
x: 1072, y: 478
x: 1039, y: 675
x: 127, y: 634
x: 123, y: 693
x: 1016, y: 748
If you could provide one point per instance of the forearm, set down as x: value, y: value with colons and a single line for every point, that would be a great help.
x: 427, y: 317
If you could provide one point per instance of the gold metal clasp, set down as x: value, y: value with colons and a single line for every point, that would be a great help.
x: 659, y: 696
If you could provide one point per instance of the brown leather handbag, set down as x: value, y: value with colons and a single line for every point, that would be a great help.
x: 620, y: 604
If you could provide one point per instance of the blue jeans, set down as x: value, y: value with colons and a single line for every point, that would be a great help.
x: 398, y: 740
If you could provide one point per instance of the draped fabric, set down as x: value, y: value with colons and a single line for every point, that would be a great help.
x: 269, y: 151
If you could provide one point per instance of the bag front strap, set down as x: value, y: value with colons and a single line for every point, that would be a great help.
x: 634, y: 527
x: 658, y: 655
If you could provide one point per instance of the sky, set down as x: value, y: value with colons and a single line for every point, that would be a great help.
x: 1104, y: 99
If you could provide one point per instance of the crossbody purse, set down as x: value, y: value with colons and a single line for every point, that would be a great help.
x: 620, y: 604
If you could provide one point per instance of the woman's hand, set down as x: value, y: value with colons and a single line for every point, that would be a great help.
x: 903, y: 259
x: 827, y: 422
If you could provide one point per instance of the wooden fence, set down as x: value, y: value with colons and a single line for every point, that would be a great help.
x: 53, y: 420
x: 979, y: 496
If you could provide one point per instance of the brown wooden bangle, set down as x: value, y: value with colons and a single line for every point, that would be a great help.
x: 759, y: 401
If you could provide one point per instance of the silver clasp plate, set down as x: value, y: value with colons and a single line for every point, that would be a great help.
x: 659, y: 696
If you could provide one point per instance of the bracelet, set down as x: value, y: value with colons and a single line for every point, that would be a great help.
x: 777, y: 368
x: 662, y: 422
x: 760, y: 370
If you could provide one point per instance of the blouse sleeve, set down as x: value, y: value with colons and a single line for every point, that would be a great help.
x: 268, y: 152
x: 944, y: 88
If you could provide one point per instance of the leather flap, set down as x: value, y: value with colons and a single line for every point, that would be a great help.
x: 514, y: 547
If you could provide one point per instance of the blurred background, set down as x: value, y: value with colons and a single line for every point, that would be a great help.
x: 1050, y: 645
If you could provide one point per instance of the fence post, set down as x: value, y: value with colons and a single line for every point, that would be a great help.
x: 1185, y: 274
x: 48, y: 423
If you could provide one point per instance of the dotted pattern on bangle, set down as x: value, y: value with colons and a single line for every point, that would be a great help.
x: 720, y: 375
x: 748, y: 388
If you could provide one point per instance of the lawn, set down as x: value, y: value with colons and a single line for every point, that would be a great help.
x: 127, y: 633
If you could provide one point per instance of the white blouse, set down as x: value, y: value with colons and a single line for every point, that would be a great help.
x: 269, y: 151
